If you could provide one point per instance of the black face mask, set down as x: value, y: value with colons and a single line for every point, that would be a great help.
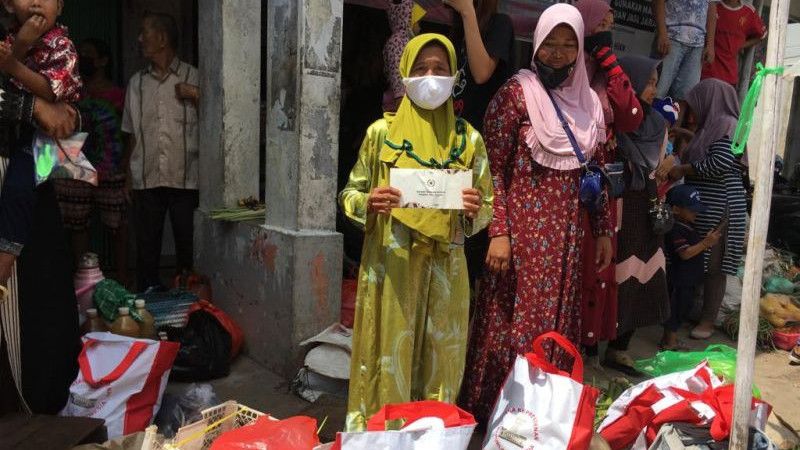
x: 86, y: 67
x: 597, y: 41
x: 552, y: 78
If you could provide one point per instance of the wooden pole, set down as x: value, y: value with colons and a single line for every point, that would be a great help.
x: 759, y: 223
x: 747, y: 60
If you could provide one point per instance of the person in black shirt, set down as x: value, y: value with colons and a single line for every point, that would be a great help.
x: 484, y: 41
x: 685, y: 250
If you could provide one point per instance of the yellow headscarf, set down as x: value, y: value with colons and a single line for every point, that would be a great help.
x: 432, y: 133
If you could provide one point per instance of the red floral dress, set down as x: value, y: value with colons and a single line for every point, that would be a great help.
x: 623, y: 114
x: 538, y: 208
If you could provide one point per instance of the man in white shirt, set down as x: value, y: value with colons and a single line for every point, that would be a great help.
x: 160, y: 120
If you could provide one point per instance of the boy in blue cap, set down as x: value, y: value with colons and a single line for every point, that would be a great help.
x: 685, y: 251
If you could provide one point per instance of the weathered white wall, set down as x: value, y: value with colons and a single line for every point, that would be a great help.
x: 282, y: 280
x: 230, y: 78
x: 303, y: 77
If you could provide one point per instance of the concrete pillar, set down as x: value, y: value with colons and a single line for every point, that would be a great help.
x: 281, y: 280
x: 303, y: 76
x: 229, y: 41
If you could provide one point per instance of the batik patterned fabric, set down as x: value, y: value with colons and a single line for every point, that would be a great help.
x: 55, y: 58
x: 411, y: 319
x: 539, y: 209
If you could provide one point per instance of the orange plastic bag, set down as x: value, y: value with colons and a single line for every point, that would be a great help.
x: 294, y: 433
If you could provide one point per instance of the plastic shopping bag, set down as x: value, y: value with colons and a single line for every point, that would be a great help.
x: 205, y: 352
x: 720, y: 357
x: 121, y: 380
x: 541, y: 406
x: 424, y: 425
x: 237, y: 335
x: 294, y: 433
x: 62, y: 158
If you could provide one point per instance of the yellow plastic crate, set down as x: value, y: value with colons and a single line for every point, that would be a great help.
x: 201, y: 434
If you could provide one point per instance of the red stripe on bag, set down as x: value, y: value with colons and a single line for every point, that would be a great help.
x: 622, y: 433
x: 86, y: 368
x: 337, y: 444
x: 139, y: 407
x: 583, y: 427
x: 410, y: 412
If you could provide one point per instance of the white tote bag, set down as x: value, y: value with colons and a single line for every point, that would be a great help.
x: 425, y: 434
x: 432, y: 425
x: 541, y: 407
x: 121, y: 380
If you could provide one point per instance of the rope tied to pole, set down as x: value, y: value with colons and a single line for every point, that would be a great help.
x: 742, y: 133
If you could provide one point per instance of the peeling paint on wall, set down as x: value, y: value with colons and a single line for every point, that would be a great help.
x: 280, y: 112
x: 323, y: 35
x: 283, y: 71
x: 323, y: 164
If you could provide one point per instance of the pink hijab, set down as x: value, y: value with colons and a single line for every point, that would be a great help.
x: 593, y: 12
x: 579, y: 104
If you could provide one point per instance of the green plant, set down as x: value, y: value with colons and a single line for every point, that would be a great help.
x: 730, y: 324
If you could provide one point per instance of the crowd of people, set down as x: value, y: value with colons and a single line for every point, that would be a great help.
x: 539, y: 242
x: 142, y: 141
x: 538, y: 246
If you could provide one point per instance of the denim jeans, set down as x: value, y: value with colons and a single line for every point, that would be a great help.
x: 680, y: 70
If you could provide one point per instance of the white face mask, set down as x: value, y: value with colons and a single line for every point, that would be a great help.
x: 429, y: 92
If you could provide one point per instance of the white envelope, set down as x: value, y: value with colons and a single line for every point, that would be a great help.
x: 431, y: 188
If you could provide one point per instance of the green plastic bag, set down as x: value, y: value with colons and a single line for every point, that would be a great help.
x: 109, y: 296
x: 721, y: 358
x: 778, y: 285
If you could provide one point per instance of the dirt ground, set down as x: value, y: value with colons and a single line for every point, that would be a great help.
x: 252, y: 385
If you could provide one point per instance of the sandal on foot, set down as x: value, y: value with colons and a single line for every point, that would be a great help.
x: 621, y: 362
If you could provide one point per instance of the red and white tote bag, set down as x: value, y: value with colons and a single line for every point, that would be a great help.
x: 121, y: 380
x: 541, y: 406
x: 638, y: 407
x: 428, y: 425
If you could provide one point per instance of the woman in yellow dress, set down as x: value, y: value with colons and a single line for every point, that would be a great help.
x: 410, y: 333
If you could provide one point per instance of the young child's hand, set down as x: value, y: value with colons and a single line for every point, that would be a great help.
x: 712, y: 238
x: 6, y: 56
x: 32, y: 30
x: 662, y: 171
